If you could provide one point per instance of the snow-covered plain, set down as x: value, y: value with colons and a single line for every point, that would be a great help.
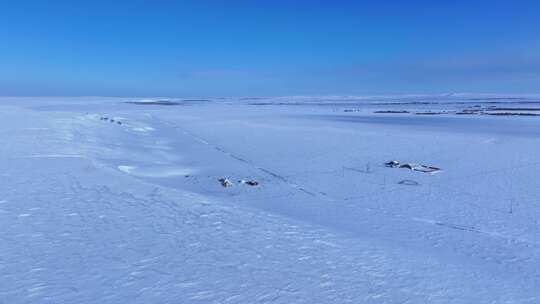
x: 117, y: 200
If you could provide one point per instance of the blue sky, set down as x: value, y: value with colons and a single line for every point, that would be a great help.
x: 267, y: 48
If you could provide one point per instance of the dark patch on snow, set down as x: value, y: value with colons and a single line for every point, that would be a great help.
x: 391, y: 112
x: 409, y: 182
x: 155, y: 103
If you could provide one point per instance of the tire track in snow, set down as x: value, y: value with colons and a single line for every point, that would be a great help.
x: 222, y: 150
x: 473, y: 229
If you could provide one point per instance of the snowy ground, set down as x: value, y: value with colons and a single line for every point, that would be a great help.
x: 132, y: 210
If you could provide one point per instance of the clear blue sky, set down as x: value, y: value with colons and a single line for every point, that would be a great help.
x: 246, y: 48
